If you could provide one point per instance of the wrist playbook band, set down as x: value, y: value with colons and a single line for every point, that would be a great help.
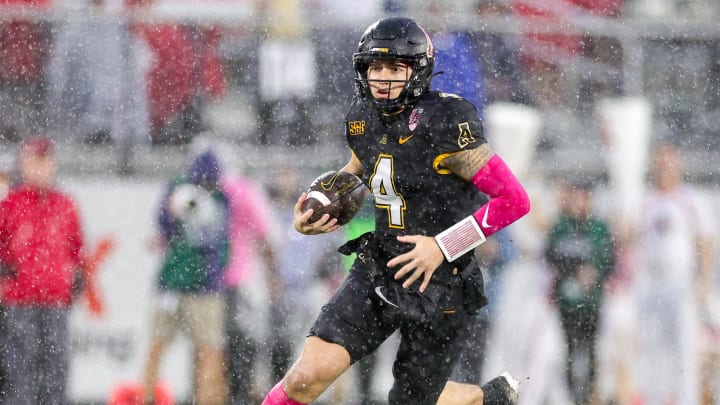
x: 460, y: 238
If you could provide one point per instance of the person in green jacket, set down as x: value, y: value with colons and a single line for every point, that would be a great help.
x: 193, y: 226
x: 580, y: 250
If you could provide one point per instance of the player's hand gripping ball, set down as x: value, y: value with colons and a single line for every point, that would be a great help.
x: 338, y: 194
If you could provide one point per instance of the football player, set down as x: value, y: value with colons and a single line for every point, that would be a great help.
x: 424, y: 158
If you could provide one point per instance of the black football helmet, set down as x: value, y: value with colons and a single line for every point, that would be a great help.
x: 401, y: 39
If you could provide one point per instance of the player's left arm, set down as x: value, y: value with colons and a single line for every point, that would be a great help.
x: 458, y: 126
x: 489, y: 174
x: 466, y: 163
x: 508, y: 202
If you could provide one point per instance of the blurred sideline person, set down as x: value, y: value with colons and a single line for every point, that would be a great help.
x: 187, y: 73
x: 364, y: 221
x: 5, y: 179
x: 580, y: 250
x: 193, y: 222
x: 310, y: 269
x: 41, y: 242
x: 251, y: 247
x: 493, y: 256
x: 674, y: 241
x: 24, y: 43
x: 91, y: 54
x: 6, y: 174
x: 423, y: 156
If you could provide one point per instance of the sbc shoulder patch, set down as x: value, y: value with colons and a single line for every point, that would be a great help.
x: 356, y: 127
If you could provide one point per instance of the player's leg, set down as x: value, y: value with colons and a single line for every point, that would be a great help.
x: 152, y: 365
x: 319, y: 365
x: 203, y: 314
x: 209, y: 374
x: 425, y: 359
x: 240, y: 351
x: 166, y: 322
x: 345, y: 331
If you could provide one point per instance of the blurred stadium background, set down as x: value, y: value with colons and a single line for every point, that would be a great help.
x: 287, y: 79
x: 666, y: 51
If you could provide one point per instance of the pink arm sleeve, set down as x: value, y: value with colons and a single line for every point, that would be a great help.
x: 508, y: 199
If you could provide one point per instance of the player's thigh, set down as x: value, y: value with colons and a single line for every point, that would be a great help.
x: 320, y: 363
x: 166, y: 321
x: 204, y: 319
x: 353, y: 317
x: 425, y: 359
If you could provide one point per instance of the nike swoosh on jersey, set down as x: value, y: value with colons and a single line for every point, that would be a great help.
x: 378, y: 291
x: 484, y: 222
x: 404, y: 139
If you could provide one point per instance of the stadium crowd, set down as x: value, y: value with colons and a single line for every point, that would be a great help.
x: 607, y: 293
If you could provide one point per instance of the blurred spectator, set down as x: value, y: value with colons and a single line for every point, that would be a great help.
x: 580, y: 250
x: 193, y: 225
x: 492, y: 256
x: 23, y: 51
x: 547, y: 55
x: 457, y: 59
x: 5, y: 183
x: 364, y: 221
x: 481, y: 65
x: 672, y: 9
x: 310, y: 268
x: 186, y: 74
x: 335, y: 43
x: 40, y: 256
x: 498, y: 53
x: 5, y: 179
x: 287, y: 76
x: 95, y: 76
x: 675, y: 243
x: 250, y: 229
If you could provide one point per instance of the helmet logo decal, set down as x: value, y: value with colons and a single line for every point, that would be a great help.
x: 414, y: 118
x: 380, y: 50
x: 430, y: 47
x: 466, y: 137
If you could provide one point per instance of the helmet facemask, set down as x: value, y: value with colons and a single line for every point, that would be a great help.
x: 412, y: 87
x: 395, y: 39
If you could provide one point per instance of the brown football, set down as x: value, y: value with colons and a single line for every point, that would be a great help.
x: 339, y: 194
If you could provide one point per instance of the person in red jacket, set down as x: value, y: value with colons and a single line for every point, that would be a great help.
x: 40, y: 249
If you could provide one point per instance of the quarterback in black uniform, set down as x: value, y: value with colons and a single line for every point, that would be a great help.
x: 424, y: 158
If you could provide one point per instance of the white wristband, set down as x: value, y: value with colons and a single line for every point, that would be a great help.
x: 460, y: 238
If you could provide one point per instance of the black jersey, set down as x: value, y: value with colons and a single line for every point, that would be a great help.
x: 401, y: 154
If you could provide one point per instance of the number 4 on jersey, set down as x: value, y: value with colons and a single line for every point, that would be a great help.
x: 386, y: 196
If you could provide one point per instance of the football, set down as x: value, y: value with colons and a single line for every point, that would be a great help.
x: 339, y: 194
